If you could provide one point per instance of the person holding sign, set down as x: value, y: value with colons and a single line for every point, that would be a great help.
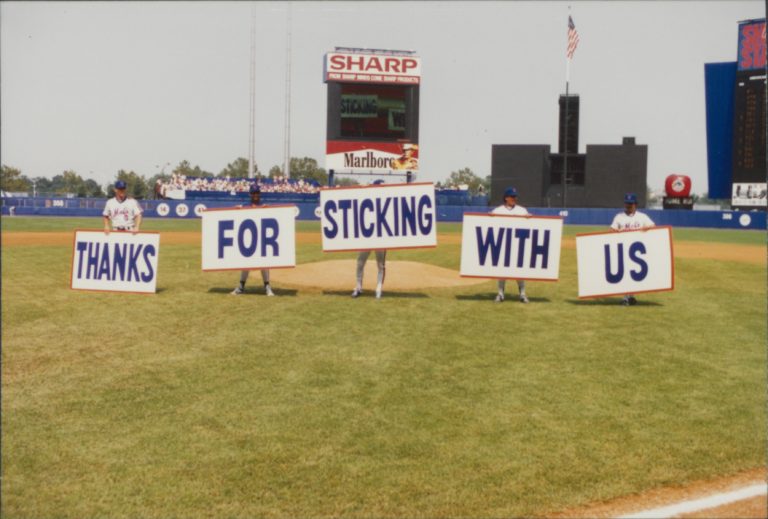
x: 630, y: 220
x: 510, y: 207
x: 255, y: 192
x: 121, y: 213
x: 381, y: 259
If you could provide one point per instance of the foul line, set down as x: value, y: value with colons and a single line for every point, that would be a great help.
x: 695, y: 505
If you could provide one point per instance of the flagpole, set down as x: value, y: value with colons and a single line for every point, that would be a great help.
x: 565, y: 138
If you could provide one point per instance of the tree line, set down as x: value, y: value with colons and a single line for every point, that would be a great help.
x: 139, y: 186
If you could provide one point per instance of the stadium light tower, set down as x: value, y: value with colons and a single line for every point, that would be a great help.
x: 287, y: 131
x: 252, y: 128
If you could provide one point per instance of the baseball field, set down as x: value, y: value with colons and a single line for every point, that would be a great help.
x: 431, y: 402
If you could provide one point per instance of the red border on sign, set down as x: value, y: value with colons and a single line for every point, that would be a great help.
x: 384, y: 248
x: 525, y: 217
x: 372, y: 186
x: 267, y: 206
x: 671, y: 257
x: 72, y: 263
x: 251, y: 269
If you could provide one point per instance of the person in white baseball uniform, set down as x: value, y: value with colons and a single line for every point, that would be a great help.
x: 381, y: 264
x: 255, y: 192
x: 510, y: 207
x: 121, y: 213
x: 630, y: 220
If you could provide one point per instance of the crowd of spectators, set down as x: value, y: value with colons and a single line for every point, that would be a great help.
x: 277, y: 184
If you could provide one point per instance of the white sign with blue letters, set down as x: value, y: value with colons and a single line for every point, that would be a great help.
x: 630, y: 262
x: 387, y: 216
x: 115, y: 262
x: 248, y: 238
x: 511, y: 247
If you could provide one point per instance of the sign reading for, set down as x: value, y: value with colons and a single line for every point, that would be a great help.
x: 249, y: 238
x: 115, y: 262
x: 630, y: 262
x: 395, y: 216
x: 511, y: 247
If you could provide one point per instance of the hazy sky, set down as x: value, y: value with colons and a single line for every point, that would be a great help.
x: 100, y: 86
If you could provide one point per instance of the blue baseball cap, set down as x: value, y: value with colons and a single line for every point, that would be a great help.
x: 255, y: 188
x: 630, y: 198
x: 120, y: 184
x: 510, y: 191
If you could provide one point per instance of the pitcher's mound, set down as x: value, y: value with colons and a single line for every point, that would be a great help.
x: 400, y: 275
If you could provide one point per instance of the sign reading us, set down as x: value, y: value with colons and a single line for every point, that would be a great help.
x: 248, y: 238
x: 115, y: 262
x: 631, y: 262
x: 511, y: 247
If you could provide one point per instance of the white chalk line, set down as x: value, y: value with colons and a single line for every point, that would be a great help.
x: 695, y: 505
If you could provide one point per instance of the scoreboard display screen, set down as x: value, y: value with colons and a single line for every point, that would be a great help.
x: 749, y: 130
x: 364, y: 112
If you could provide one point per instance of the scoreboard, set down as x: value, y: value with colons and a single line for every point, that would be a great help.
x: 748, y: 174
x: 373, y: 111
x: 749, y: 129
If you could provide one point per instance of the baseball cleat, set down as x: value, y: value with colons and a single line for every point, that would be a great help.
x: 356, y: 293
x: 625, y: 301
x: 268, y: 290
x: 632, y: 300
x: 499, y: 298
x: 236, y: 292
x: 523, y: 298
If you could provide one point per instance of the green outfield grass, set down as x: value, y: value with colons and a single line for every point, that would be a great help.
x: 428, y: 403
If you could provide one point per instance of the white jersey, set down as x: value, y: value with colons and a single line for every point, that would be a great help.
x: 122, y: 214
x: 518, y: 210
x: 630, y: 222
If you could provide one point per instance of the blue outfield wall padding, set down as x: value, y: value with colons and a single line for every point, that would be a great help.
x: 93, y: 207
x: 719, y: 82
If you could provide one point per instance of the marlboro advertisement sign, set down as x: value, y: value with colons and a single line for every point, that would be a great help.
x: 372, y: 68
x: 376, y: 157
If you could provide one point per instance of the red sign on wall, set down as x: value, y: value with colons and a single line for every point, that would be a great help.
x: 752, y: 45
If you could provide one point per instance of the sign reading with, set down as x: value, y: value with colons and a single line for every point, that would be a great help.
x: 394, y: 216
x: 630, y: 262
x: 249, y: 238
x: 115, y: 262
x: 511, y: 247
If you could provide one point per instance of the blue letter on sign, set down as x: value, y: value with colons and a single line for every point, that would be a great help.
x: 224, y: 225
x: 269, y: 239
x: 635, y: 250
x: 610, y: 277
x: 330, y: 232
x: 250, y: 226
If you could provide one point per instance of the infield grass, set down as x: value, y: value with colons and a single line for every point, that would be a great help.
x: 427, y: 403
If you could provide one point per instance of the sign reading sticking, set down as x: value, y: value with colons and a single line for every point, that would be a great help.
x: 394, y: 216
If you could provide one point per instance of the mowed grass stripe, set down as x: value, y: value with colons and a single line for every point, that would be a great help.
x: 437, y: 403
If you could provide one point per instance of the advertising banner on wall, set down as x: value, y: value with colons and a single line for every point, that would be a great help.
x: 511, y: 247
x: 749, y: 194
x: 630, y: 262
x: 356, y: 67
x: 115, y: 262
x: 249, y: 238
x: 393, y: 216
x: 376, y: 157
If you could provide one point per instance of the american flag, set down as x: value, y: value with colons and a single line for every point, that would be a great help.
x: 573, y: 38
